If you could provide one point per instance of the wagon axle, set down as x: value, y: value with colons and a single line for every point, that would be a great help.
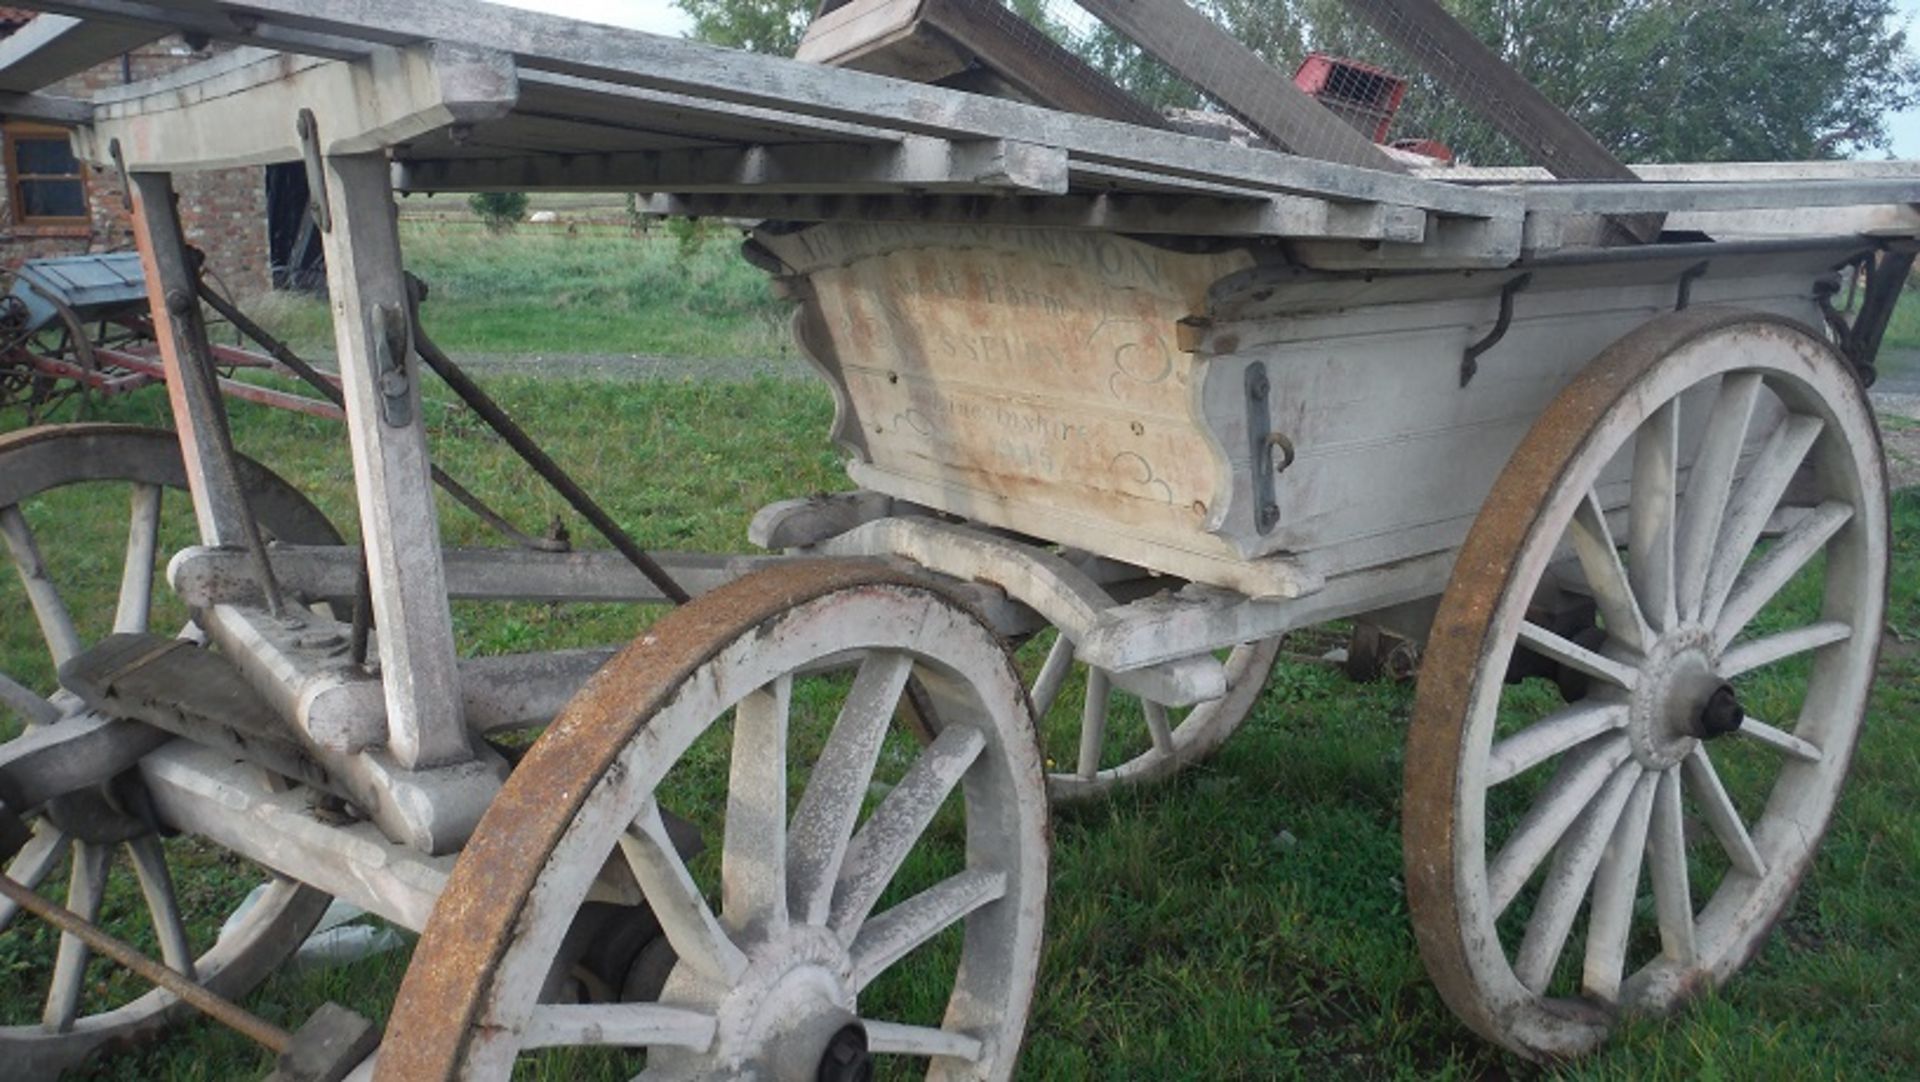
x: 1721, y: 714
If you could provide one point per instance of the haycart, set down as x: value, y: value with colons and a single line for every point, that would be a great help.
x: 1147, y: 399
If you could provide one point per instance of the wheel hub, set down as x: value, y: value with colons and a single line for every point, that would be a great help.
x: 1680, y: 700
x: 790, y: 1017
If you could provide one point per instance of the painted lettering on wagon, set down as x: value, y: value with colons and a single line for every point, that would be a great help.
x: 1017, y: 437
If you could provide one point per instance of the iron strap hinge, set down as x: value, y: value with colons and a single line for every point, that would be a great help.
x: 1470, y: 361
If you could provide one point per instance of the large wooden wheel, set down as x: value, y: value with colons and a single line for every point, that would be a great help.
x: 114, y: 867
x: 820, y: 936
x: 1714, y: 482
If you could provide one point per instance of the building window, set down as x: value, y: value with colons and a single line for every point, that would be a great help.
x: 45, y: 184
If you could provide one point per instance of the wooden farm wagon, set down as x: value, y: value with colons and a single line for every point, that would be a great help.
x: 1159, y: 397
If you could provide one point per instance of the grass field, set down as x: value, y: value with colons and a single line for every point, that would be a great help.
x: 1246, y: 920
x: 550, y: 290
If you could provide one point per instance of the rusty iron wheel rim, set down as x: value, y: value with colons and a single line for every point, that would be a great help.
x: 39, y: 460
x: 1622, y: 761
x: 772, y: 972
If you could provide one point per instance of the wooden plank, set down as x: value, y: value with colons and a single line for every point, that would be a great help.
x: 1033, y: 63
x: 552, y: 43
x: 1713, y: 195
x: 916, y: 162
x: 1268, y: 216
x: 45, y: 109
x: 398, y: 524
x: 240, y: 109
x: 1234, y: 75
x: 53, y: 47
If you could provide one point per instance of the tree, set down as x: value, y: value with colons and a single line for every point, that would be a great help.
x: 762, y: 26
x: 1653, y: 80
x: 501, y: 211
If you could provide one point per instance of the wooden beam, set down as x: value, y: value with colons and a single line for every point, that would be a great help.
x: 1196, y: 48
x: 399, y: 524
x: 1713, y: 195
x: 916, y: 162
x: 45, y: 109
x: 53, y: 47
x: 1272, y: 216
x: 553, y: 43
x: 930, y: 40
x: 243, y: 105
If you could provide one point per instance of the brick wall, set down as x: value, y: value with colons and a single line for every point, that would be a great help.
x: 224, y: 212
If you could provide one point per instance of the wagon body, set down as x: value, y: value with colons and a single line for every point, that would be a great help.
x: 1092, y: 390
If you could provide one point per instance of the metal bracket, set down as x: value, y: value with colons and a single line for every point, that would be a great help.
x: 390, y: 349
x: 1687, y: 277
x: 1470, y: 361
x: 1261, y: 442
x: 309, y: 130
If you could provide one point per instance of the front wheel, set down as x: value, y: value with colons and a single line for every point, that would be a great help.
x: 871, y: 897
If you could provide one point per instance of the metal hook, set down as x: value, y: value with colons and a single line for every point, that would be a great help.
x: 1470, y: 363
x: 1685, y: 297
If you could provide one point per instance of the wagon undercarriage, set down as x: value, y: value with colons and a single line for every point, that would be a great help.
x: 1161, y: 398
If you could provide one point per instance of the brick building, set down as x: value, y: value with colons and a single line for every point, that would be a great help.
x: 51, y: 204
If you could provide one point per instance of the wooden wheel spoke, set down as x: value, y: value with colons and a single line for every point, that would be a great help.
x: 1053, y: 675
x: 85, y: 889
x: 882, y: 844
x: 753, y: 872
x: 891, y: 936
x: 1651, y: 515
x: 1667, y: 855
x: 1575, y: 860
x: 136, y: 575
x: 1573, y: 655
x: 685, y: 917
x: 1578, y: 782
x: 1159, y: 725
x: 1616, y: 884
x: 1764, y: 577
x: 1558, y: 732
x: 1753, y: 505
x: 1759, y: 653
x: 1093, y: 721
x: 31, y: 865
x: 898, y: 1039
x: 56, y: 624
x: 149, y: 861
x: 1722, y: 817
x: 1600, y: 559
x: 1710, y: 486
x: 823, y: 821
x: 1780, y: 740
x: 624, y: 1025
x: 24, y: 701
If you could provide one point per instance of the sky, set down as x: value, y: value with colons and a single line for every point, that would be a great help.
x: 663, y: 17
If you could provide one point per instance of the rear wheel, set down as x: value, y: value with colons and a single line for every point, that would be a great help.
x: 96, y: 851
x: 1714, y: 483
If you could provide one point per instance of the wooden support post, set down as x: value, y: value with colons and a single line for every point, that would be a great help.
x: 398, y: 523
x: 200, y: 417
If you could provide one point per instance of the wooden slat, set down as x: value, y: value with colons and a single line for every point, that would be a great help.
x: 1211, y: 59
x: 46, y: 109
x: 1274, y: 216
x: 916, y: 163
x: 53, y: 47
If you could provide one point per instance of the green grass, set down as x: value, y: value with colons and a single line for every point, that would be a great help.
x: 540, y: 290
x: 1246, y: 920
x: 1903, y: 330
